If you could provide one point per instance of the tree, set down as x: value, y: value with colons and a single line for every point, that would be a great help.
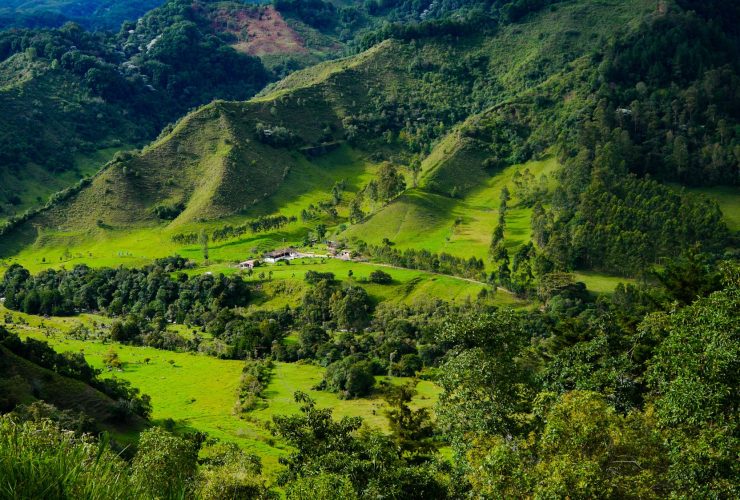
x: 584, y: 450
x: 411, y: 430
x: 350, y: 308
x: 111, y: 360
x: 330, y: 454
x: 350, y: 377
x: 484, y: 385
x: 415, y: 170
x: 228, y: 472
x: 540, y: 225
x: 321, y: 487
x: 316, y: 306
x: 309, y: 340
x: 390, y: 182
x: 497, y: 242
x: 694, y: 377
x: 380, y: 277
x: 203, y: 240
x: 356, y: 214
x: 504, y: 198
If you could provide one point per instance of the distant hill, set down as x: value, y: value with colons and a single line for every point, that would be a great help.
x: 74, y: 98
x: 93, y: 14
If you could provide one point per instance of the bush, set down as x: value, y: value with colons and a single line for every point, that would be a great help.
x: 350, y: 378
x: 228, y: 472
x: 321, y: 487
x: 380, y: 277
x: 275, y: 136
x: 39, y: 460
x: 408, y: 365
x: 255, y: 377
x: 314, y: 277
x: 165, y: 464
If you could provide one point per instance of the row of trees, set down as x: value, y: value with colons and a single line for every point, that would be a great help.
x: 259, y: 225
x: 472, y: 268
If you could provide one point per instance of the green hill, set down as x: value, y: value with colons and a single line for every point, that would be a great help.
x: 213, y: 164
x: 73, y: 98
x: 467, y: 113
x: 54, y: 131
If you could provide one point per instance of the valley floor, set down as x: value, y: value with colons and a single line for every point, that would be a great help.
x: 199, y: 392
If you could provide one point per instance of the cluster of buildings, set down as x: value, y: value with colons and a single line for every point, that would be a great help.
x: 334, y: 250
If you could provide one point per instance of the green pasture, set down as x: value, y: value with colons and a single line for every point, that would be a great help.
x: 199, y: 392
x: 462, y: 227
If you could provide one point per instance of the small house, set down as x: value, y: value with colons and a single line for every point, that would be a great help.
x: 344, y: 255
x: 281, y: 254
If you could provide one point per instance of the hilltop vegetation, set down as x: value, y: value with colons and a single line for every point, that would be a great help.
x: 93, y: 14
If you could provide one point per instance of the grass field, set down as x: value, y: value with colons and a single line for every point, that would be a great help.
x: 463, y: 227
x: 600, y: 283
x: 199, y: 392
x: 287, y: 285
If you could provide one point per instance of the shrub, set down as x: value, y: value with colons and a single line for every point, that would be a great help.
x: 165, y: 464
x: 39, y: 460
x: 314, y: 277
x: 350, y: 378
x: 380, y: 277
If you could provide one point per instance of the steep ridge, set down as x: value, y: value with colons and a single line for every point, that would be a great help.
x: 51, y: 129
x: 211, y: 164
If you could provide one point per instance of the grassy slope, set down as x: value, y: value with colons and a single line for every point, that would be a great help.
x: 199, y: 392
x: 30, y: 382
x: 420, y: 219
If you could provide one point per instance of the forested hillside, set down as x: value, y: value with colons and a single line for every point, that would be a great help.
x: 74, y: 97
x: 93, y: 14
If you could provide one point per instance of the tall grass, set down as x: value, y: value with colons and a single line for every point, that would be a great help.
x: 38, y: 460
